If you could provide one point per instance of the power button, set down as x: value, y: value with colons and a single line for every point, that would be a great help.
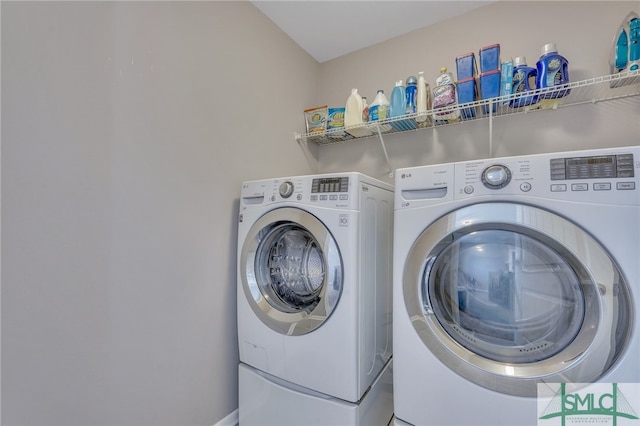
x: 525, y: 187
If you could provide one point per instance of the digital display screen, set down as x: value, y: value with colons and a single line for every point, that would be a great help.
x: 323, y: 185
x: 596, y: 167
x: 589, y: 161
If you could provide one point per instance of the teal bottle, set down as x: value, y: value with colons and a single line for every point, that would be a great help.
x: 398, y: 104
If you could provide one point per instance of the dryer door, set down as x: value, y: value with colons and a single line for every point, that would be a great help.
x: 291, y: 271
x: 510, y: 295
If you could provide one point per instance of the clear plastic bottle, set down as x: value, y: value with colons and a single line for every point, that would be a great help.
x: 444, y: 95
x: 378, y: 109
x: 398, y: 100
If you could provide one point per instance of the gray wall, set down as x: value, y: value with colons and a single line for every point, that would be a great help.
x: 127, y: 129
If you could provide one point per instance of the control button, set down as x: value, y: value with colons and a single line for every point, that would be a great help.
x: 333, y: 197
x: 558, y: 187
x: 496, y: 176
x: 525, y: 187
x: 579, y: 186
x: 286, y: 189
x: 299, y: 197
x: 625, y: 186
x: 344, y: 197
x: 602, y: 186
x: 314, y: 198
x: 323, y: 198
x: 468, y: 189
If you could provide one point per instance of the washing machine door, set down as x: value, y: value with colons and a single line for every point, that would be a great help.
x: 510, y: 295
x: 291, y: 271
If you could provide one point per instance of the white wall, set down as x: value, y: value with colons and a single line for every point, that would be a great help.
x: 583, y: 32
x: 127, y: 129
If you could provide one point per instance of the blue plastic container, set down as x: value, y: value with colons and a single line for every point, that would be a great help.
x: 490, y: 58
x: 490, y: 88
x: 553, y: 71
x: 467, y: 93
x: 524, y: 80
x: 466, y: 66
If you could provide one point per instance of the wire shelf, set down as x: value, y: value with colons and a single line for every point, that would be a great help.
x: 605, y: 88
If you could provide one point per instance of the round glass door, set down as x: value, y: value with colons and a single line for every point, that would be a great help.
x: 292, y: 274
x: 505, y: 296
x: 508, y: 296
x: 290, y: 268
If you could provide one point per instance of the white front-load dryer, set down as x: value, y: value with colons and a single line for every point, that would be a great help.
x: 511, y: 276
x: 314, y: 281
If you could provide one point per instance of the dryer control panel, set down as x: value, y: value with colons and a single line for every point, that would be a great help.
x: 609, y: 176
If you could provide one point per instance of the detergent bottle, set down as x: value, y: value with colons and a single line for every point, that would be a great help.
x: 353, y: 115
x: 553, y: 71
x: 524, y: 80
x: 378, y: 109
x: 398, y: 104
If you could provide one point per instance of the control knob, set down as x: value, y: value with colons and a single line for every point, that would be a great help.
x: 286, y: 189
x: 496, y: 176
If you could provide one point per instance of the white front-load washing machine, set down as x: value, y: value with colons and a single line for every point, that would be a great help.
x: 314, y: 297
x: 511, y: 275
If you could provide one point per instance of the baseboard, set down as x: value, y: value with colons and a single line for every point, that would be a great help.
x: 230, y: 420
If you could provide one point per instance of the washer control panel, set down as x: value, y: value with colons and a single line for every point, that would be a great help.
x: 341, y: 190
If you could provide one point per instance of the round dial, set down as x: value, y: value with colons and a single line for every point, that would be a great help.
x: 496, y: 176
x: 286, y: 189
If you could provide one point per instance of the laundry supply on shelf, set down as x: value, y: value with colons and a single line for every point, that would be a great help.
x: 411, y: 92
x: 553, y: 73
x: 379, y: 108
x: 398, y: 100
x: 524, y: 80
x: 365, y: 110
x: 490, y: 58
x: 398, y: 108
x: 353, y: 115
x: 444, y: 95
x: 316, y: 119
x: 335, y: 122
x: 379, y: 111
x: 423, y: 101
x: 506, y: 80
